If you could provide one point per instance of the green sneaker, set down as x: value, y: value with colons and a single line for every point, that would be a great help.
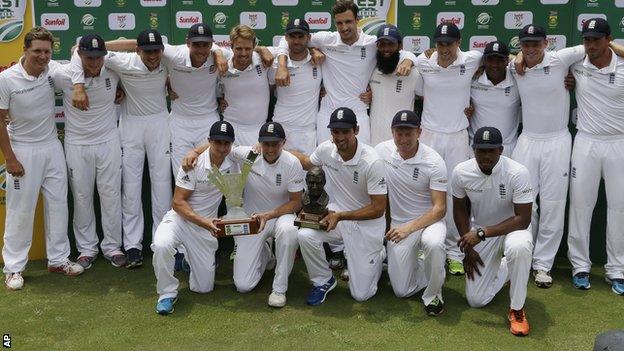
x: 455, y: 267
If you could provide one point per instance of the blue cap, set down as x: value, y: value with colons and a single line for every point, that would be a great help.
x: 342, y: 118
x: 487, y: 138
x: 389, y: 32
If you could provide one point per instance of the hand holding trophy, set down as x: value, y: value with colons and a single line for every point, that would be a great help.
x: 314, y: 201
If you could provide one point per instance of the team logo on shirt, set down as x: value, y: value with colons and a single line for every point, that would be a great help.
x: 547, y: 70
x: 502, y: 191
x: 169, y: 150
x: 573, y: 172
x: 363, y: 53
x: 612, y: 78
x: 416, y: 173
x: 507, y: 91
x: 278, y: 179
x: 259, y: 70
x: 399, y: 85
x: 107, y: 81
x: 50, y: 82
x: 462, y: 70
x: 314, y: 73
x: 16, y: 184
x: 356, y: 177
x: 382, y: 181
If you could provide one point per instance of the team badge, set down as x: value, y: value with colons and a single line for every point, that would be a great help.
x: 612, y: 78
x: 314, y: 73
x: 258, y: 70
x: 278, y: 179
x: 547, y: 70
x: 416, y: 173
x: 399, y: 85
x: 363, y: 53
x: 356, y: 177
x: 502, y: 191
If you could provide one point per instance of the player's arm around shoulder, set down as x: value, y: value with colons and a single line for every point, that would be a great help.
x: 185, y: 186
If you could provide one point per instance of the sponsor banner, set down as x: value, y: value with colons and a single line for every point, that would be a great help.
x: 374, y: 14
x: 153, y: 3
x: 87, y: 3
x: 416, y: 44
x: 518, y: 19
x: 478, y: 42
x: 222, y: 40
x: 318, y: 20
x: 255, y: 20
x: 121, y: 21
x: 55, y: 21
x: 457, y: 18
x: 556, y: 42
x: 186, y: 19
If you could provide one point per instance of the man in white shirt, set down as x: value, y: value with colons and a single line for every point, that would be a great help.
x: 598, y: 152
x: 273, y: 195
x: 500, y: 195
x: 144, y: 128
x: 192, y: 221
x: 416, y: 177
x: 494, y: 97
x: 390, y: 92
x: 357, y: 201
x: 297, y: 104
x: 447, y: 76
x: 93, y: 153
x: 545, y: 143
x: 350, y: 60
x: 34, y: 161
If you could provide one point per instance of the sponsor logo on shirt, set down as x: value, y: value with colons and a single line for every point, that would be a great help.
x: 121, y: 21
x: 318, y: 20
x: 55, y: 21
x: 473, y: 190
x: 517, y: 19
x: 456, y: 18
x: 186, y: 19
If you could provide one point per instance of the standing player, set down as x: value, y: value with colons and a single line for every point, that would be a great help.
x: 297, y: 104
x: 499, y: 192
x: 93, y: 152
x: 34, y: 161
x: 390, y: 92
x: 495, y: 98
x: 416, y: 177
x: 545, y: 143
x: 598, y: 151
x: 350, y: 60
x: 144, y: 130
x: 191, y: 222
x: 447, y: 76
x: 357, y: 187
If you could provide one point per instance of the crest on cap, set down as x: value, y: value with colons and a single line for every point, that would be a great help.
x: 444, y: 29
x: 200, y: 30
x: 404, y: 116
x: 296, y: 22
x: 486, y: 135
x: 340, y: 114
x: 152, y: 37
x: 592, y: 24
x: 495, y: 47
x: 271, y: 128
x: 94, y: 43
x: 386, y: 31
x: 223, y: 128
x: 531, y: 30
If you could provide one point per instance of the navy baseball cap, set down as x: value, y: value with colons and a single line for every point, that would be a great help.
x: 487, y: 138
x: 150, y: 40
x: 271, y: 131
x: 406, y: 118
x: 222, y: 130
x: 496, y: 48
x: 342, y: 118
x: 531, y: 32
x: 447, y: 32
x: 389, y: 32
x: 199, y: 32
x: 297, y: 25
x: 596, y: 28
x: 92, y: 45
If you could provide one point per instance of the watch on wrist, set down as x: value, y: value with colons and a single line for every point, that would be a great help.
x: 481, y: 234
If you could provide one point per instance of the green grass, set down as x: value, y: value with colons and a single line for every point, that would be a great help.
x: 109, y: 308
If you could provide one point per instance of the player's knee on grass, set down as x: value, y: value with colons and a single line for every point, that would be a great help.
x: 476, y: 301
x: 244, y: 287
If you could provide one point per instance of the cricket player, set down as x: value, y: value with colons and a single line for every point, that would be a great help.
x: 494, y: 97
x: 447, y: 76
x: 34, y: 161
x: 192, y: 221
x: 598, y: 152
x: 545, y: 143
x: 390, y: 92
x: 357, y: 201
x: 144, y: 128
x: 500, y: 195
x: 297, y: 104
x: 93, y: 153
x: 416, y: 177
x: 350, y: 60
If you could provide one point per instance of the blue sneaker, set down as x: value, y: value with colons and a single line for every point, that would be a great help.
x: 318, y: 293
x: 581, y: 281
x: 165, y: 306
x: 181, y: 265
x: 617, y: 285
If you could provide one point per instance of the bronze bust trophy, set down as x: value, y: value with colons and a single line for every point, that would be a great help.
x: 314, y: 201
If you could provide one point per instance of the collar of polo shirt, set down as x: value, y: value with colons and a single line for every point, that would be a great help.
x: 255, y: 60
x: 227, y: 162
x: 28, y: 76
x: 545, y: 62
x: 291, y: 63
x: 460, y: 60
x: 354, y: 160
x: 507, y: 82
x: 418, y: 157
x: 609, y: 69
x: 189, y: 64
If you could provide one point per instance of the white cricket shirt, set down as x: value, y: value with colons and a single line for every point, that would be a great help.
x: 410, y: 181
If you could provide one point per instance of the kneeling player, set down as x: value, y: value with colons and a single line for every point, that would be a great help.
x: 500, y: 194
x: 191, y: 222
x: 416, y: 177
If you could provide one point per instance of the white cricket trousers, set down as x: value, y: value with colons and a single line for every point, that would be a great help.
x: 547, y: 157
x: 303, y: 141
x: 323, y: 133
x: 496, y: 271
x: 45, y: 171
x: 407, y: 273
x: 594, y: 157
x: 88, y: 166
x: 363, y: 241
x: 454, y: 149
x: 200, y: 245
x: 245, y: 134
x: 253, y: 254
x: 188, y: 133
x: 140, y: 136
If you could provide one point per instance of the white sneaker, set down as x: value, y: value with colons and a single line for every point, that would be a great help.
x: 542, y: 279
x: 67, y: 268
x: 277, y: 299
x: 14, y: 281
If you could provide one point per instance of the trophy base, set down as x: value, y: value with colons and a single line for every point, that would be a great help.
x: 234, y: 227
x: 311, y: 221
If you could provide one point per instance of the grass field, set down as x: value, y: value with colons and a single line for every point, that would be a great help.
x: 109, y: 308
